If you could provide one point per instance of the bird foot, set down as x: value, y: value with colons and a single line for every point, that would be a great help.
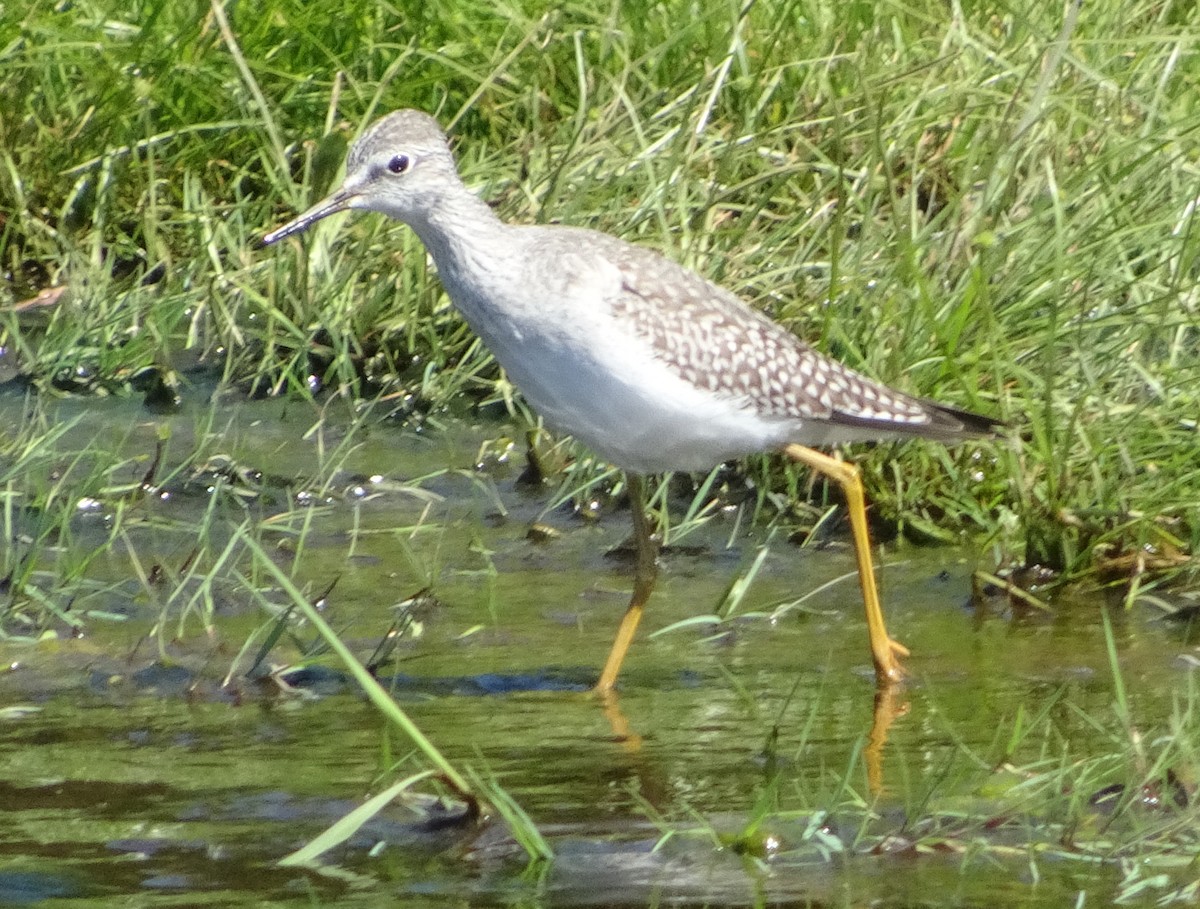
x: 889, y: 671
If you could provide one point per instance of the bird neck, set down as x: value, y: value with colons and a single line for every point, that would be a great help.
x: 456, y: 225
x: 467, y: 242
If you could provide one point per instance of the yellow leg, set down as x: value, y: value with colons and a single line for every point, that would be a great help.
x: 643, y: 584
x: 884, y: 651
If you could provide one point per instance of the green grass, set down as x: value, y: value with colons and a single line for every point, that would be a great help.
x: 979, y: 203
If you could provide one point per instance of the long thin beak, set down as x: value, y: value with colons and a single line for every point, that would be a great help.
x: 340, y: 200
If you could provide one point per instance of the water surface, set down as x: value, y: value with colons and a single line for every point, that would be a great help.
x: 137, y: 760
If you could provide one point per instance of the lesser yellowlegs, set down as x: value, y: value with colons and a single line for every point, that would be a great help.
x: 650, y: 365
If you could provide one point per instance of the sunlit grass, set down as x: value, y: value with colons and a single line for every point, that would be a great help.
x: 988, y: 205
x: 993, y: 207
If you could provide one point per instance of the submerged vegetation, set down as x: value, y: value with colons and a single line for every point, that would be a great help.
x: 992, y: 206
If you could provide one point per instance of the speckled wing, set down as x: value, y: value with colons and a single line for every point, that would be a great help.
x: 715, y: 341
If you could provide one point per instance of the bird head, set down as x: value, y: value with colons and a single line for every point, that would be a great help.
x: 400, y: 166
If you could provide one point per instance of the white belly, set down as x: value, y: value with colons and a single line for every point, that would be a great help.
x: 588, y: 373
x: 630, y: 409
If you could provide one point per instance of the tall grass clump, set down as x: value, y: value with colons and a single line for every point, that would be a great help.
x: 990, y: 205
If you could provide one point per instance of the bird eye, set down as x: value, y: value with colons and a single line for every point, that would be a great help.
x: 398, y: 164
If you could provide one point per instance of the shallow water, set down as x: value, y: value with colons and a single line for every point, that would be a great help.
x: 127, y: 771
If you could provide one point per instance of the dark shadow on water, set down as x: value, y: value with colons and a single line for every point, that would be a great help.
x: 326, y: 681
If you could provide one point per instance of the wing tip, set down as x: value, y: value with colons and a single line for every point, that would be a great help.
x: 944, y: 423
x: 951, y: 423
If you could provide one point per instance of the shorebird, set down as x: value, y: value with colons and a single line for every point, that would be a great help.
x: 648, y: 364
